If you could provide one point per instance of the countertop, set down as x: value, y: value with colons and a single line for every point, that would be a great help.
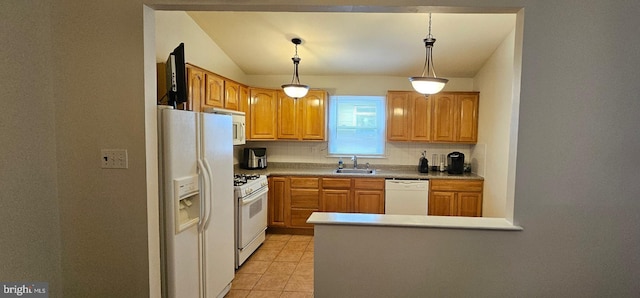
x: 382, y: 171
x: 414, y: 221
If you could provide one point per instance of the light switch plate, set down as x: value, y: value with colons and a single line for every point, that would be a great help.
x: 114, y: 159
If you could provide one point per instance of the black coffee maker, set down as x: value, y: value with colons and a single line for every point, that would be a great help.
x: 455, y: 163
x: 423, y: 164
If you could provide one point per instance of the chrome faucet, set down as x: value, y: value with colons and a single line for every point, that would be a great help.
x: 355, y: 162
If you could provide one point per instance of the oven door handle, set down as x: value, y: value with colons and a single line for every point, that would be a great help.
x: 257, y: 195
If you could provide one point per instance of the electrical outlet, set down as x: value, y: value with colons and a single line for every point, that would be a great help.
x: 114, y: 159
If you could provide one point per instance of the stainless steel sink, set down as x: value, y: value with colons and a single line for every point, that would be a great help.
x: 355, y: 171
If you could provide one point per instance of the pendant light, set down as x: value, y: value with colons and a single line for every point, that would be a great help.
x: 428, y: 83
x: 295, y: 89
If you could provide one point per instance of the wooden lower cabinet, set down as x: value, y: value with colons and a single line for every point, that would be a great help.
x: 368, y: 201
x: 292, y: 199
x: 336, y: 200
x: 455, y: 197
x: 304, y: 199
x: 278, y: 191
x: 368, y: 195
x: 336, y: 195
x: 353, y: 195
x: 442, y: 203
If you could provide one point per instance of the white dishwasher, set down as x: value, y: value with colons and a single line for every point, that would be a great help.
x: 409, y: 197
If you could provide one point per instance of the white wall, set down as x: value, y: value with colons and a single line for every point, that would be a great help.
x: 151, y: 141
x: 99, y: 103
x: 29, y: 218
x: 494, y: 81
x: 378, y: 261
x: 174, y: 27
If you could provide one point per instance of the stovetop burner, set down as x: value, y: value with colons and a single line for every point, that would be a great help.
x: 241, y: 179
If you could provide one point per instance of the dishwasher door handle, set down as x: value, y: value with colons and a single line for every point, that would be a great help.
x: 407, y: 184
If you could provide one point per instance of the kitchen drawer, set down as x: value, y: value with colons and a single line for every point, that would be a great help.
x: 304, y: 182
x: 456, y: 185
x: 305, y: 198
x: 336, y: 183
x: 369, y: 183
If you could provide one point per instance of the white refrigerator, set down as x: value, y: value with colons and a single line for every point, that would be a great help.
x: 196, y: 203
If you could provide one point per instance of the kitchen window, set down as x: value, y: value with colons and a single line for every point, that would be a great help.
x: 356, y: 125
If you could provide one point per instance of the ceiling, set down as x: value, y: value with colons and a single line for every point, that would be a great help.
x: 340, y: 43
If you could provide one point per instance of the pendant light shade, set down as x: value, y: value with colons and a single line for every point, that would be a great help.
x: 428, y: 83
x: 295, y: 89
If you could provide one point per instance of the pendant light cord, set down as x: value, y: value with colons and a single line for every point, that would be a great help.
x: 296, y: 59
x: 429, y: 67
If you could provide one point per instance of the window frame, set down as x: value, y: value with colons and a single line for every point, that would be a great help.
x: 380, y: 124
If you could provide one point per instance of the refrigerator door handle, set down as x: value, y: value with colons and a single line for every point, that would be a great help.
x: 203, y: 196
x: 209, y: 206
x: 202, y: 247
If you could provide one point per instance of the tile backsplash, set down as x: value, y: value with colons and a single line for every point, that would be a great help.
x: 397, y: 153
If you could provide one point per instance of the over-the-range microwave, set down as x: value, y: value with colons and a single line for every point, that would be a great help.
x: 238, y: 120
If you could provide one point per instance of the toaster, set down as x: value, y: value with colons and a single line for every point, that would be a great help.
x: 254, y: 158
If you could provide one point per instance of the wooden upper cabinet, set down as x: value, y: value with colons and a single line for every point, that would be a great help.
x: 420, y: 117
x: 262, y: 111
x: 243, y: 106
x: 446, y: 117
x: 231, y: 95
x: 398, y: 107
x: 195, y: 88
x: 243, y: 99
x: 467, y: 117
x: 313, y: 115
x: 443, y: 117
x: 408, y: 116
x: 287, y: 117
x: 455, y: 117
x: 215, y: 91
x: 303, y: 118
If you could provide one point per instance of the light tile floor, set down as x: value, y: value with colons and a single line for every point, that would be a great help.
x: 281, y: 267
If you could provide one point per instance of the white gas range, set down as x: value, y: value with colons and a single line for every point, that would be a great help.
x: 251, y: 194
